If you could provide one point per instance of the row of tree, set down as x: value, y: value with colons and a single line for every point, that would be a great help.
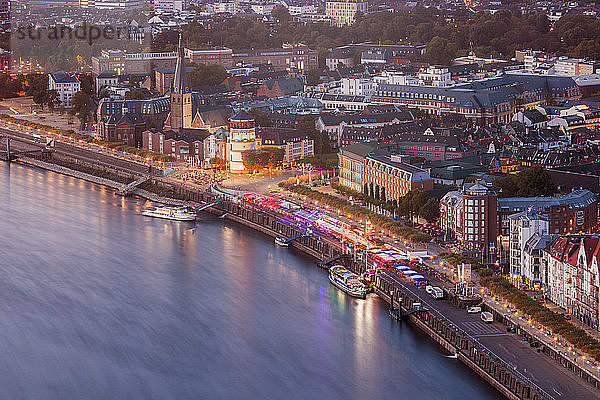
x: 256, y: 160
x: 500, y: 286
x: 392, y: 226
x: 414, y: 204
x: 446, y: 36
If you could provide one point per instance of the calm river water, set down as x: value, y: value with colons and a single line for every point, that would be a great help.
x: 99, y: 302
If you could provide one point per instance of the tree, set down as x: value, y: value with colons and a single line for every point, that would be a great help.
x: 307, y: 124
x: 440, y: 51
x: 412, y: 203
x: 281, y: 14
x: 138, y: 94
x: 81, y: 106
x: 532, y: 182
x: 313, y: 77
x: 256, y: 160
x: 430, y: 210
x: 87, y: 84
x: 52, y: 99
x: 207, y: 75
x: 383, y: 194
x: 260, y: 118
x: 39, y: 97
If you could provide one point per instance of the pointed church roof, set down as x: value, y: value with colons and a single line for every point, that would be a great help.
x: 180, y: 84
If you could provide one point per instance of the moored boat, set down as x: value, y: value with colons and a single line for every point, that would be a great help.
x: 347, y: 281
x: 172, y: 213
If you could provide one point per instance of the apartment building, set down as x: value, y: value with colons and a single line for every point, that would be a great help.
x: 571, y: 276
x: 66, y: 85
x: 343, y: 12
x: 523, y: 226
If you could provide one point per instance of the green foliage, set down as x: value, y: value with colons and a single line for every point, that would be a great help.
x: 10, y: 87
x: 307, y: 124
x: 204, y: 75
x: 52, y: 99
x: 138, y: 94
x: 260, y: 118
x: 256, y: 160
x: 535, y: 181
x: 456, y: 259
x: 313, y: 77
x: 440, y: 51
x: 56, y: 51
x: 281, y: 14
x: 87, y: 84
x: 417, y: 203
x: 500, y: 286
x: 498, y: 34
x: 320, y: 160
x: 81, y: 106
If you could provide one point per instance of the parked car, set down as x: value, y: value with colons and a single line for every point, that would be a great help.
x: 474, y: 310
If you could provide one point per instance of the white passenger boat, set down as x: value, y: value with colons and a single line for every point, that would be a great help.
x: 172, y: 213
x: 348, y: 282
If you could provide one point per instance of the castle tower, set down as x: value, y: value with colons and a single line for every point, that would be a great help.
x: 181, y: 95
x: 242, y: 137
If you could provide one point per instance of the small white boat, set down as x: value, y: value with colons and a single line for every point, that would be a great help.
x: 347, y: 281
x: 172, y: 213
x: 281, y: 241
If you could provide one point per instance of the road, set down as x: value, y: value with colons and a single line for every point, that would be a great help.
x: 540, y: 369
x: 106, y: 158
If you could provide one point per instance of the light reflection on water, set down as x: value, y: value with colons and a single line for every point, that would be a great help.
x: 99, y: 302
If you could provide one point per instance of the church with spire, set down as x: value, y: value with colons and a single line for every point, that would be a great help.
x: 180, y: 117
x: 188, y: 109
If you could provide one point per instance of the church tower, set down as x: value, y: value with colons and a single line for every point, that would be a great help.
x: 181, y: 95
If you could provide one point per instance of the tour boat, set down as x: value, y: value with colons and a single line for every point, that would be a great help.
x: 348, y: 282
x: 173, y: 213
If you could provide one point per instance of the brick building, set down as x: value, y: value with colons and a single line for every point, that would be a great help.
x: 372, y: 167
x: 279, y: 87
x: 127, y: 128
x: 576, y: 212
x: 288, y: 56
x: 184, y: 146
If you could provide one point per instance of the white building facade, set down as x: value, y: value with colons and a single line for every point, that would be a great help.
x: 343, y: 12
x: 523, y: 226
x: 66, y: 85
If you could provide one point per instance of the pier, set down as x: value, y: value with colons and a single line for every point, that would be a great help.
x: 129, y: 188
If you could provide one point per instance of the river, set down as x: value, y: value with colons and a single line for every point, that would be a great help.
x: 99, y: 302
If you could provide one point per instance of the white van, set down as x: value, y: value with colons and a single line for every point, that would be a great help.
x: 487, y: 317
x: 474, y: 310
